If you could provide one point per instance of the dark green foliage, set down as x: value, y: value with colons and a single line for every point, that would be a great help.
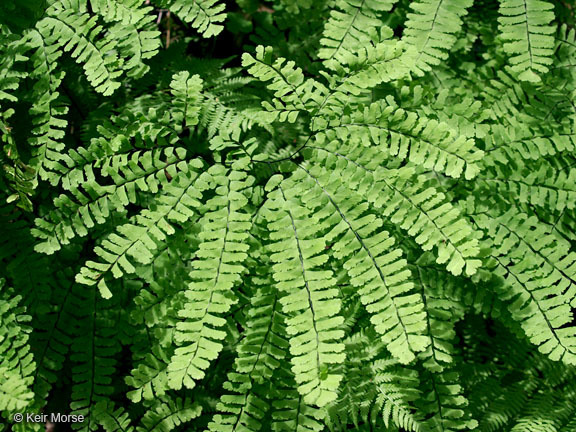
x: 288, y: 215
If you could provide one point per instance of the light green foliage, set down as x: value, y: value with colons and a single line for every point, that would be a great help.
x: 352, y: 24
x: 204, y: 15
x: 17, y: 364
x: 526, y: 28
x: 432, y: 29
x: 309, y: 296
x: 288, y: 215
x: 216, y: 271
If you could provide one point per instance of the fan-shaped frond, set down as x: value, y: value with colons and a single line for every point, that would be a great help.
x: 374, y: 266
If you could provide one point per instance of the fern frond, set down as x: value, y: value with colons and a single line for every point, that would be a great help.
x: 112, y: 419
x: 355, y: 403
x: 526, y: 27
x: 293, y: 94
x: 74, y: 31
x: 52, y: 345
x: 352, y: 24
x: 150, y: 378
x: 259, y: 355
x: 126, y: 12
x: 411, y: 202
x: 169, y: 413
x: 310, y: 299
x: 540, y: 186
x: 376, y: 388
x: 432, y: 29
x: 445, y: 403
x: 217, y: 270
x: 397, y: 391
x: 94, y: 203
x: 374, y: 266
x: 49, y: 111
x: 441, y: 315
x: 131, y: 27
x: 136, y: 44
x: 15, y: 173
x: 546, y: 412
x: 404, y: 135
x: 373, y: 65
x: 186, y: 91
x: 539, y: 281
x: 13, y: 50
x: 206, y: 16
x: 291, y: 412
x: 533, y: 147
x: 138, y: 240
x: 16, y: 361
x: 92, y: 353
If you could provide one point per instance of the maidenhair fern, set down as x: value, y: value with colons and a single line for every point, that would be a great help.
x: 288, y: 215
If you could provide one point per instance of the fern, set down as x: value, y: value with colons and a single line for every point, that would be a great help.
x: 432, y: 29
x: 530, y: 280
x: 17, y: 363
x: 308, y: 300
x: 290, y: 215
x: 259, y: 356
x: 352, y: 24
x: 75, y: 32
x: 218, y: 269
x: 526, y: 28
x: 204, y: 15
x: 139, y: 240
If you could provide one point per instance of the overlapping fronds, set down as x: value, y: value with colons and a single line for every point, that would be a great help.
x: 259, y: 356
x: 374, y: 266
x: 68, y: 27
x: 288, y: 215
x: 445, y: 403
x: 352, y: 23
x: 539, y: 271
x: 94, y: 203
x: 403, y: 196
x: 404, y: 135
x: 137, y: 240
